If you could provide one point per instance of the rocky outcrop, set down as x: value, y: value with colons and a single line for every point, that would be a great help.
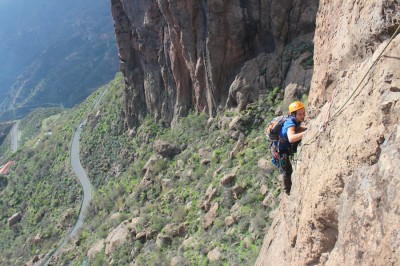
x: 118, y: 236
x: 228, y: 180
x: 210, y: 194
x: 343, y: 207
x: 210, y: 216
x: 97, y: 248
x: 166, y: 149
x: 15, y: 218
x: 203, y: 55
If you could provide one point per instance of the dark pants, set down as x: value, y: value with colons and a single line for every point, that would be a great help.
x: 284, y: 165
x: 285, y: 168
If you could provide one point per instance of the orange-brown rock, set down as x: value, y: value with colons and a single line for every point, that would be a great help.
x: 228, y: 179
x: 210, y: 216
x: 119, y: 235
x: 343, y: 207
x: 203, y: 55
x: 210, y: 194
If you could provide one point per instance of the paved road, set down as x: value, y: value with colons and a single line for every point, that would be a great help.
x: 14, y: 137
x: 83, y: 179
x: 86, y: 186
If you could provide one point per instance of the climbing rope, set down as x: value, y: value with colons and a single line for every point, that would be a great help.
x: 341, y: 108
x: 324, y: 124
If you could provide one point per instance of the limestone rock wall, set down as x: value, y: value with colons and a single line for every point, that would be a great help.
x: 203, y: 55
x: 344, y: 205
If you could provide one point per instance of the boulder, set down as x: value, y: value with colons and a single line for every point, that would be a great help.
x: 145, y: 235
x: 214, y: 255
x: 36, y: 258
x: 15, y: 218
x: 228, y: 180
x: 210, y: 194
x: 235, y: 211
x: 264, y: 189
x: 33, y: 261
x: 182, y: 230
x: 171, y: 230
x: 237, y: 191
x: 263, y: 164
x: 218, y: 171
x: 205, y: 153
x: 229, y: 221
x: 163, y: 240
x: 210, y: 216
x: 178, y: 261
x: 119, y: 235
x: 150, y: 234
x: 141, y: 236
x: 166, y: 149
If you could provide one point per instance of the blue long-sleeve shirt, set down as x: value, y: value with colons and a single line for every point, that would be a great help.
x: 285, y: 145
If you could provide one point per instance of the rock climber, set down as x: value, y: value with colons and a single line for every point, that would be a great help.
x: 290, y: 135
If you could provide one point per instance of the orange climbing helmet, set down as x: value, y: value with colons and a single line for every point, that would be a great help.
x: 294, y: 106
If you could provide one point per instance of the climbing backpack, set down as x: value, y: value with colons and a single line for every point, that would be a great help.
x: 274, y: 127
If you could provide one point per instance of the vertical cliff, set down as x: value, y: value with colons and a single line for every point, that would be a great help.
x: 344, y: 205
x: 203, y: 55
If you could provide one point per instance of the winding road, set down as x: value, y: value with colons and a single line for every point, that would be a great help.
x: 14, y: 137
x: 83, y: 179
x: 86, y: 185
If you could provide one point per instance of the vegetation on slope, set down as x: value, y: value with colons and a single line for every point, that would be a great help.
x: 40, y: 186
x: 166, y: 199
x: 4, y: 139
x: 161, y: 195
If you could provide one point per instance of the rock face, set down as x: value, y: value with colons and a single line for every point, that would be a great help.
x: 343, y: 208
x: 202, y: 55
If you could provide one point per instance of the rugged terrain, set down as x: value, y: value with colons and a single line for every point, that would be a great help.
x: 344, y: 206
x: 204, y: 191
x: 205, y: 55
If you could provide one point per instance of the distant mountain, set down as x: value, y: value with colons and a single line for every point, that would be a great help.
x: 53, y: 52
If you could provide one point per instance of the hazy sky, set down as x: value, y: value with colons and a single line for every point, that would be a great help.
x: 27, y: 27
x: 44, y: 41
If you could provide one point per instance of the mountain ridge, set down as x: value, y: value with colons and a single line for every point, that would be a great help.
x: 59, y: 60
